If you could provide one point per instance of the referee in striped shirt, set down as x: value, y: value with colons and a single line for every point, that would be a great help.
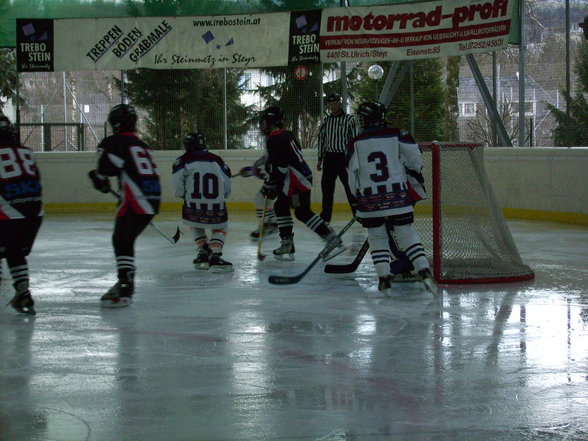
x: 334, y: 134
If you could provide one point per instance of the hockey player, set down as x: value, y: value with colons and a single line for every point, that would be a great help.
x: 290, y: 181
x: 203, y: 181
x: 377, y: 162
x: 270, y: 225
x: 21, y: 212
x: 127, y: 157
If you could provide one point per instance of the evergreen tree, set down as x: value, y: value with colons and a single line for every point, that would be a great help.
x: 178, y: 101
x: 572, y: 130
x: 429, y: 98
x: 300, y: 99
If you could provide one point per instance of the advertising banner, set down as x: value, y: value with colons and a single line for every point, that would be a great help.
x: 35, y: 48
x: 415, y: 30
x: 305, y: 29
x: 403, y: 31
x: 241, y: 41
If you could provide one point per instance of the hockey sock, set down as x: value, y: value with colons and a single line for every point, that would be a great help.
x: 199, y: 235
x: 409, y: 241
x: 19, y: 270
x: 400, y: 261
x: 217, y: 241
x: 285, y: 225
x: 381, y: 256
x: 125, y: 266
x: 315, y: 223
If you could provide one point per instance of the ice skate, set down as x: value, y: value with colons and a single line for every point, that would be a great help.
x: 286, y: 250
x: 118, y: 296
x: 23, y: 302
x: 202, y: 260
x: 385, y: 285
x: 426, y: 278
x: 218, y: 265
x: 268, y: 229
x: 405, y: 277
x: 333, y: 248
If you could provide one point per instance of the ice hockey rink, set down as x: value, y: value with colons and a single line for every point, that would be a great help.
x: 202, y: 356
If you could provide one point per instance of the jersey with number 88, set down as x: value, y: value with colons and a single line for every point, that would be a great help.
x: 14, y: 162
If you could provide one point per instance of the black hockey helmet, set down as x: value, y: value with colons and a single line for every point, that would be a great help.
x: 7, y: 132
x: 372, y: 113
x: 122, y: 117
x: 334, y: 97
x: 273, y: 115
x: 194, y: 142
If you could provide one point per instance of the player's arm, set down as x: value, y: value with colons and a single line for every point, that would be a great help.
x: 225, y: 173
x: 410, y: 153
x: 179, y: 178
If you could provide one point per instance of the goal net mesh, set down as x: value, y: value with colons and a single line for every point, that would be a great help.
x: 460, y: 224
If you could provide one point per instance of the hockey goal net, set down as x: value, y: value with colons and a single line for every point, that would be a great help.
x: 461, y: 225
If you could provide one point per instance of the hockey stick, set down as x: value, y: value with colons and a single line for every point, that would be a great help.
x: 285, y: 280
x: 173, y: 239
x: 260, y: 255
x: 333, y: 268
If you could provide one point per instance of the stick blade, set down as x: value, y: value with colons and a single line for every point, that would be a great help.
x: 282, y: 280
x: 176, y: 237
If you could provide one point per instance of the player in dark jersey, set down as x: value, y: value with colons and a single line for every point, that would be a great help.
x: 203, y: 181
x: 128, y: 158
x: 21, y: 212
x: 290, y: 180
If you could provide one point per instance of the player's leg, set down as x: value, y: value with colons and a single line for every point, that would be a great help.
x: 216, y: 243
x: 21, y: 234
x: 380, y: 252
x: 410, y: 242
x: 328, y: 180
x: 126, y: 230
x: 201, y: 262
x: 285, y: 222
x: 301, y: 203
x: 401, y: 267
x: 343, y: 177
x: 270, y: 224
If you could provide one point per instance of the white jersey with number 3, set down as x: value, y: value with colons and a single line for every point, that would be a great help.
x: 376, y: 166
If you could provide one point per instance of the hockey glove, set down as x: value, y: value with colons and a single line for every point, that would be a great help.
x: 269, y: 190
x: 100, y: 182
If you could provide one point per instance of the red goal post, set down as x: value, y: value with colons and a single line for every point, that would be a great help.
x: 464, y: 232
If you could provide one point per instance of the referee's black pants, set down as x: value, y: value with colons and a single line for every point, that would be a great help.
x: 333, y: 167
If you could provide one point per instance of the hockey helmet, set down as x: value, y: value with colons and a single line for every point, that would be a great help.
x: 7, y: 132
x: 273, y: 116
x: 122, y: 117
x: 194, y: 142
x: 372, y: 113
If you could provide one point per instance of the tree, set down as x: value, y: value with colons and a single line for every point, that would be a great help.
x: 185, y: 100
x: 572, y: 130
x: 8, y: 76
x: 429, y: 98
x: 481, y: 130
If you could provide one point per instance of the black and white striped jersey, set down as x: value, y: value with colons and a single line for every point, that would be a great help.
x: 335, y: 133
x: 203, y: 181
x: 376, y: 166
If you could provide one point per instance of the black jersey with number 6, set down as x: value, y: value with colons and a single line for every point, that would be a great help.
x: 127, y: 157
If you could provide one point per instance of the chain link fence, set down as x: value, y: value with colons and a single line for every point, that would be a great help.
x: 66, y: 111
